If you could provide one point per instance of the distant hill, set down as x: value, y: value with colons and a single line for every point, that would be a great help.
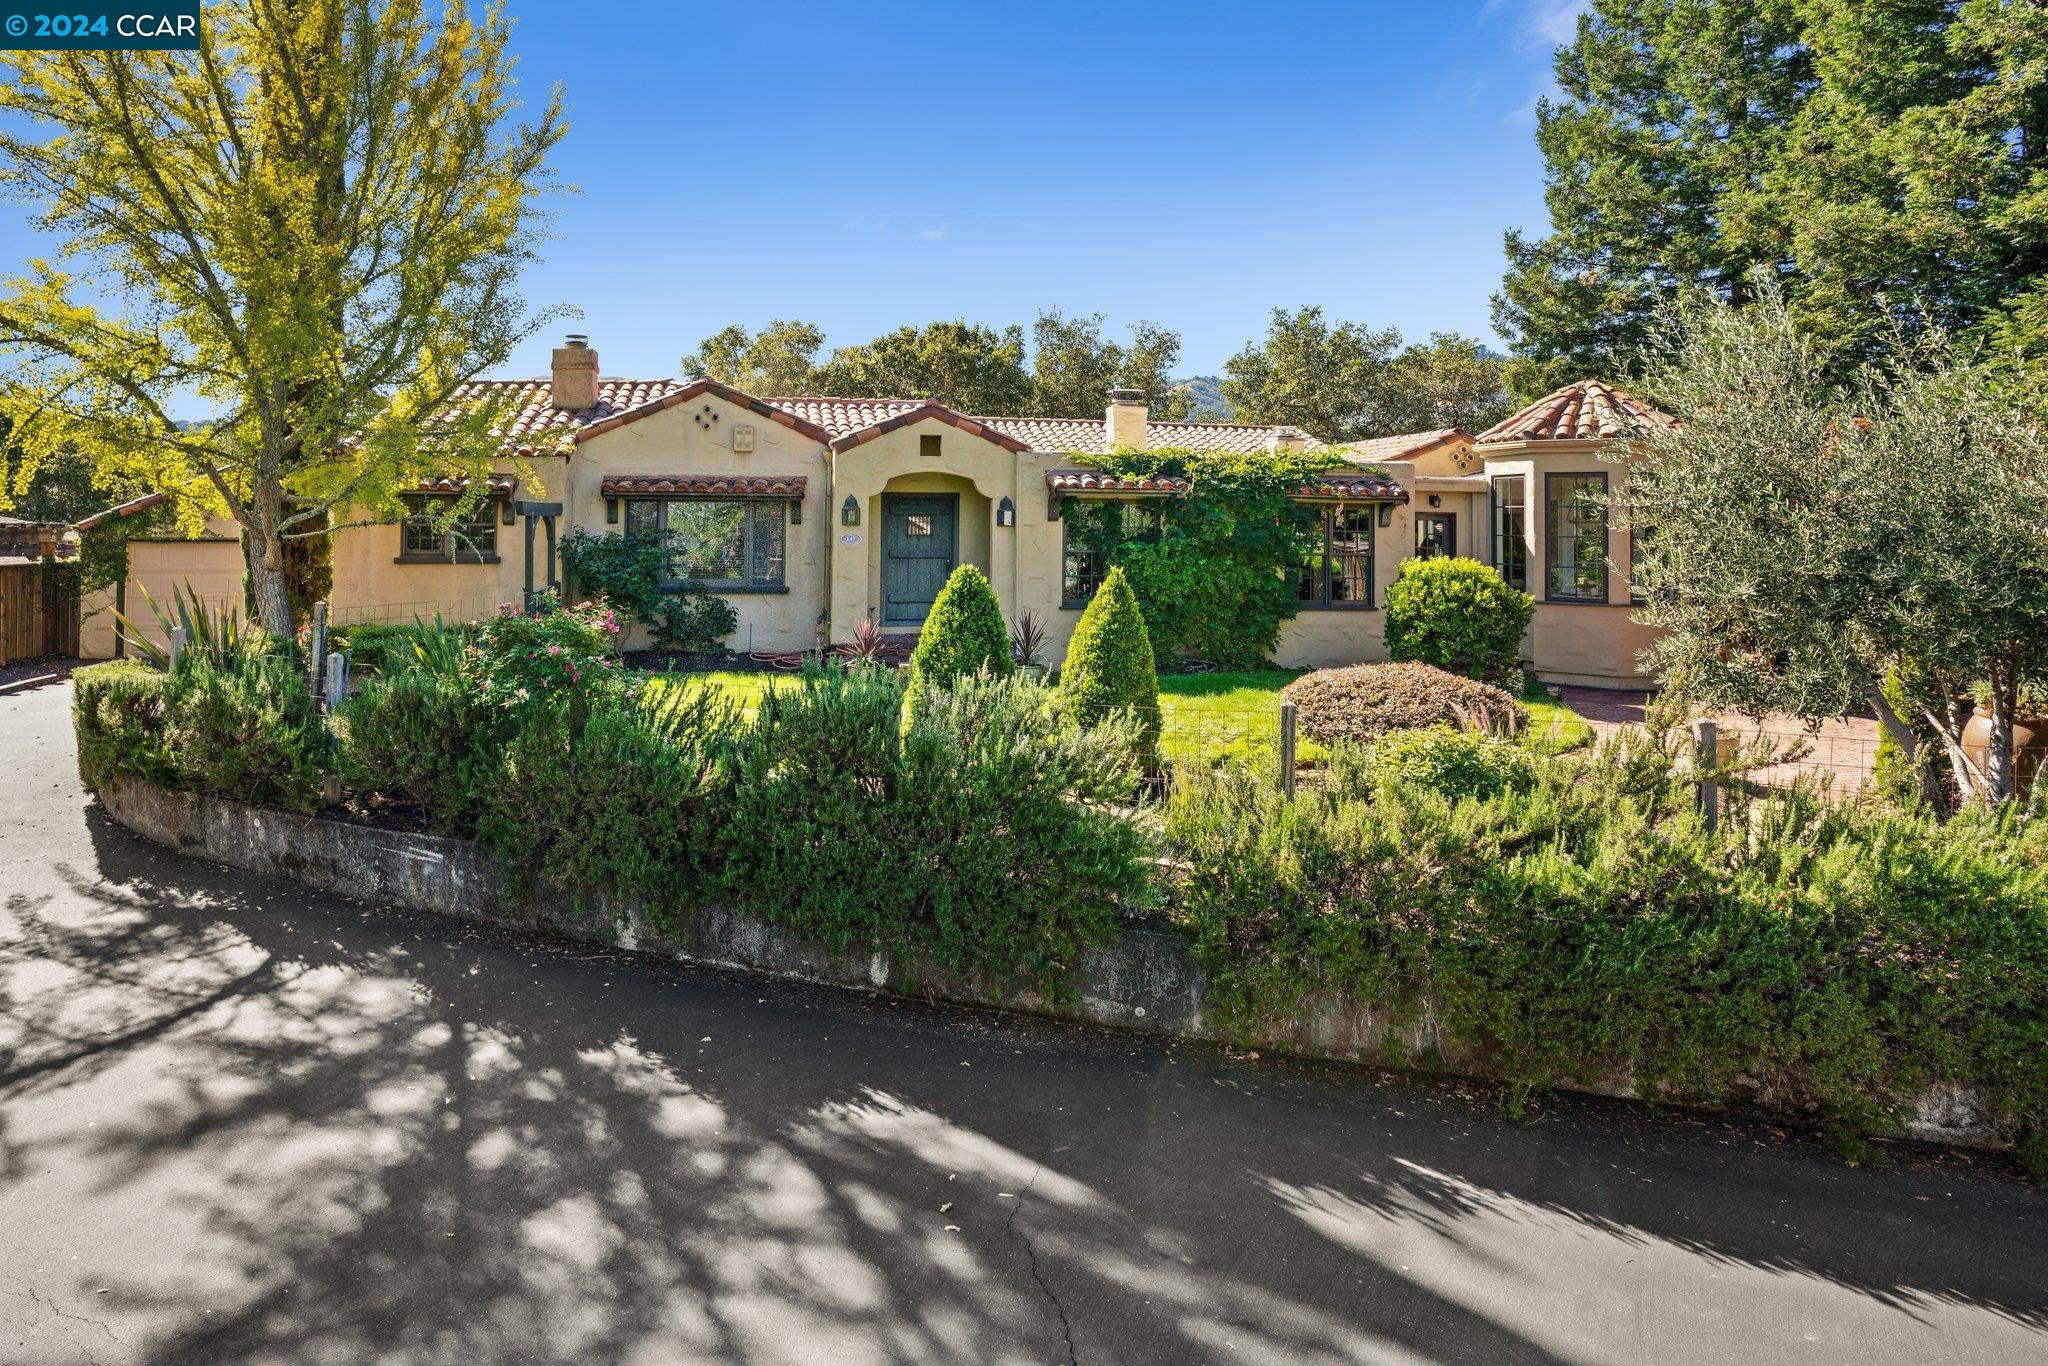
x: 1207, y: 391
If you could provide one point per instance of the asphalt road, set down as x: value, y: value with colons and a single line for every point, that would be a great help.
x: 241, y: 1122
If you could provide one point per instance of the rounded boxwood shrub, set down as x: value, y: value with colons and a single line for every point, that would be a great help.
x: 1361, y: 703
x: 1457, y: 614
x: 963, y: 635
x: 1109, y: 661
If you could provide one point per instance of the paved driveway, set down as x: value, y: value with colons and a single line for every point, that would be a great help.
x: 240, y: 1122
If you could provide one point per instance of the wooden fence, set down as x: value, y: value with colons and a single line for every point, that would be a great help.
x: 38, y: 611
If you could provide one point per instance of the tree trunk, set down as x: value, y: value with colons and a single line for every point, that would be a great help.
x: 266, y: 562
x: 1998, y: 774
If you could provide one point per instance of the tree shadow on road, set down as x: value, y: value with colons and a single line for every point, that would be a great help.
x: 419, y: 1140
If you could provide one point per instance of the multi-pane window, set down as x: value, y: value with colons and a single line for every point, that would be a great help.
x: 1510, y: 526
x: 1091, y: 530
x: 716, y: 542
x: 1338, y: 572
x: 428, y: 535
x: 1575, y: 537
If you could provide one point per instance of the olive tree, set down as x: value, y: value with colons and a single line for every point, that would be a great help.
x: 1803, y: 537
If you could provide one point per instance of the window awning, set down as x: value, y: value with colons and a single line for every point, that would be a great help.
x: 495, y: 485
x: 703, y: 486
x: 1338, y: 486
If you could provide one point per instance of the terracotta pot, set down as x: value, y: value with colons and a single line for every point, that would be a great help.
x: 2029, y: 746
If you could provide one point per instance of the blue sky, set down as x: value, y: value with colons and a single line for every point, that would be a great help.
x: 864, y: 166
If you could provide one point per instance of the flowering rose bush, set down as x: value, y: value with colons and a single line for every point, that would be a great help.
x: 551, y: 656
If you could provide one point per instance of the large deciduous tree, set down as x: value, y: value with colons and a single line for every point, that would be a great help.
x: 1322, y: 377
x: 782, y: 358
x: 1670, y: 114
x: 967, y: 367
x: 1802, y: 537
x: 1447, y: 381
x: 1073, y: 367
x: 312, y: 227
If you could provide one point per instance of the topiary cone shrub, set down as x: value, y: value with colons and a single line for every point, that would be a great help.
x: 964, y: 634
x: 1457, y: 614
x: 1366, y: 701
x: 1109, y: 661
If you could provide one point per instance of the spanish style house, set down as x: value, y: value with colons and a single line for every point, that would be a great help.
x: 812, y: 514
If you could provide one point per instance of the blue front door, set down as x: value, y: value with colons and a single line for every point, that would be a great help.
x: 920, y: 546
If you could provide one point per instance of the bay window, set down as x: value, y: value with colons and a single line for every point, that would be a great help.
x: 1510, y: 530
x: 1575, y: 537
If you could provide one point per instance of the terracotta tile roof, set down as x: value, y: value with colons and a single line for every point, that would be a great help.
x: 1090, y: 436
x: 922, y: 412
x: 844, y: 416
x: 495, y: 485
x: 531, y: 425
x: 1095, y: 481
x: 688, y: 391
x: 1338, y: 485
x: 728, y: 485
x: 1406, y: 446
x: 1375, y: 486
x: 1588, y: 410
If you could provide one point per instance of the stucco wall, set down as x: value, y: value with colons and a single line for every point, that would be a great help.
x: 696, y: 438
x: 212, y: 566
x: 1569, y: 642
x: 984, y: 473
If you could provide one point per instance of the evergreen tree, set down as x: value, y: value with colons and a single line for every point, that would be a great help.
x: 963, y: 635
x: 1109, y: 660
x: 1672, y: 114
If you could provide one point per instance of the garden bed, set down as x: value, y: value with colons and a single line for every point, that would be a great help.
x: 1143, y: 978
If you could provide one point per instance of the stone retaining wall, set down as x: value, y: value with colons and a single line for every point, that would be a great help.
x: 1144, y: 979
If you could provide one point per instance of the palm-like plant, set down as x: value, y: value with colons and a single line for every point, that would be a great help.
x: 1027, y: 639
x: 213, y: 632
x: 868, y: 645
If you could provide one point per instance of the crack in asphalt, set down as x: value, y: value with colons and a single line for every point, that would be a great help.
x: 1031, y: 1251
x: 36, y: 1297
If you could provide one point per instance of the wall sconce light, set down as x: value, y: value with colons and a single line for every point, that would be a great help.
x: 1006, y: 513
x: 504, y: 512
x: 1386, y: 514
x: 796, y: 512
x: 1435, y: 501
x: 611, y: 511
x: 849, y: 511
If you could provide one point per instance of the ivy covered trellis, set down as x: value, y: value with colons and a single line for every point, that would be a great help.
x: 1216, y: 567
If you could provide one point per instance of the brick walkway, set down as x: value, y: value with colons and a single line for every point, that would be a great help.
x: 1841, y: 749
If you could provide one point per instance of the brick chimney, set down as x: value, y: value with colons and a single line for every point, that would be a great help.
x: 1126, y: 418
x: 572, y: 382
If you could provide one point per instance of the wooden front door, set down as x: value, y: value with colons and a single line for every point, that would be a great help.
x: 920, y: 546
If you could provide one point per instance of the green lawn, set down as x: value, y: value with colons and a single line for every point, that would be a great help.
x: 744, y: 686
x: 1208, y: 716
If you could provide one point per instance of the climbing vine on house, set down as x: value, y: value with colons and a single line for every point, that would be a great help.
x: 1216, y: 569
